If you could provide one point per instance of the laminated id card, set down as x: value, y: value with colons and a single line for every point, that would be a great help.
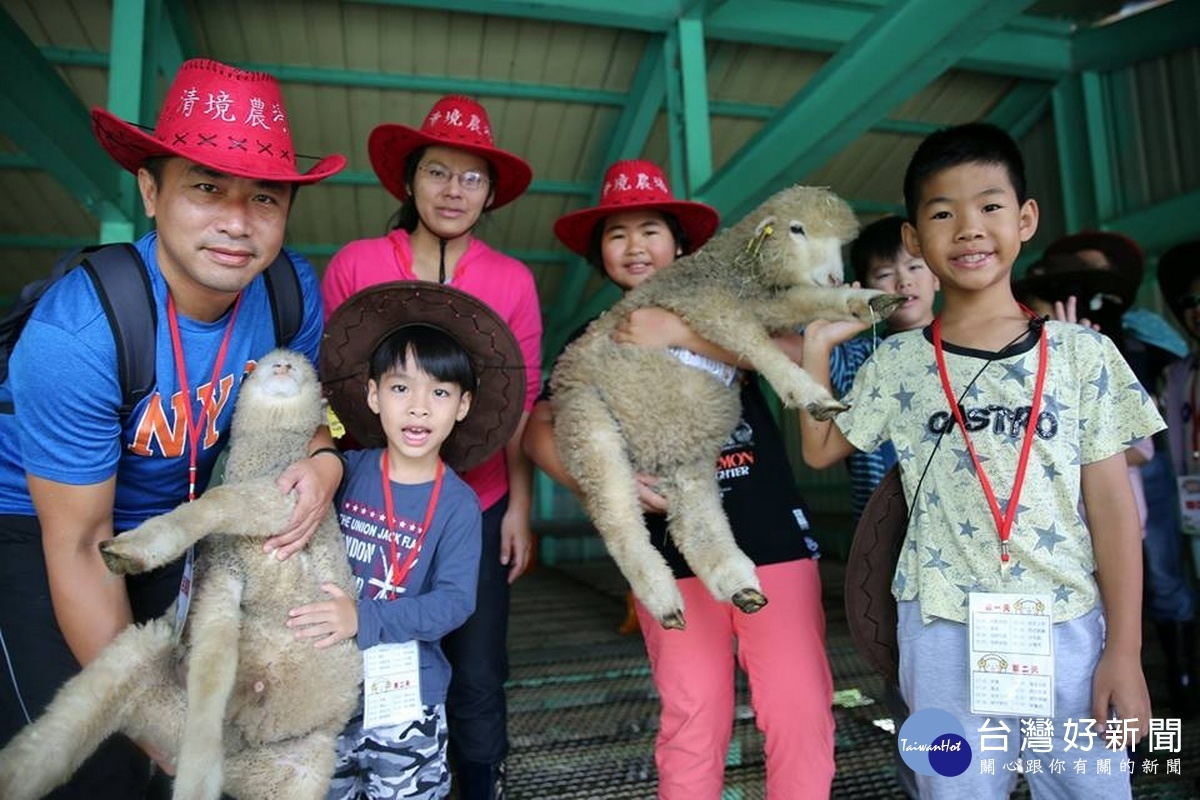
x: 391, y: 685
x: 1011, y: 654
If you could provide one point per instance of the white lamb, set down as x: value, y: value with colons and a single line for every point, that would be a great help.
x: 624, y: 409
x: 257, y: 711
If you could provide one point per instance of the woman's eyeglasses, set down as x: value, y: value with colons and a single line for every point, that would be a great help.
x: 470, y: 181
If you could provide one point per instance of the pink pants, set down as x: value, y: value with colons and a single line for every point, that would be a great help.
x: 782, y: 650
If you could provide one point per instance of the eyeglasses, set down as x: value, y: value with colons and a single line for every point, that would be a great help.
x: 471, y: 181
x: 1188, y: 301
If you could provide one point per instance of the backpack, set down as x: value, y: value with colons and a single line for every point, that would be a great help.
x: 119, y: 276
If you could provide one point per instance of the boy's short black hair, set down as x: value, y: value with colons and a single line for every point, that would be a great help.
x: 973, y: 143
x: 595, y: 255
x: 434, y: 351
x: 879, y: 241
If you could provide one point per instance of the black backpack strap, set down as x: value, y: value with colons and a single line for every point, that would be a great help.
x: 123, y: 286
x: 287, y: 302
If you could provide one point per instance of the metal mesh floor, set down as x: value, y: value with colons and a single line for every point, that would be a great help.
x: 583, y: 711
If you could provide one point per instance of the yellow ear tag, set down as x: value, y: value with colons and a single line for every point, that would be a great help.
x: 755, y: 244
x: 336, y: 429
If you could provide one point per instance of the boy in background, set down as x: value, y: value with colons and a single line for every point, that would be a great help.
x: 1001, y: 421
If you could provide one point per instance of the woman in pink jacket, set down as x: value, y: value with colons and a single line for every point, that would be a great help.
x: 446, y: 174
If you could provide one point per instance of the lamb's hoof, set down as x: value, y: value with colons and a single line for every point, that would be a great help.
x: 825, y: 410
x: 749, y: 600
x: 673, y: 621
x: 885, y: 304
x: 117, y: 562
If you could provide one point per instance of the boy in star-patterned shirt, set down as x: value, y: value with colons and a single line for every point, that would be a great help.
x: 979, y: 367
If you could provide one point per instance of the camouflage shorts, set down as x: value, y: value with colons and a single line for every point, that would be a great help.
x: 401, y: 761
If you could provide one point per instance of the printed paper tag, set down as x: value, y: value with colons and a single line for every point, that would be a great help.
x: 1011, y: 654
x: 391, y: 685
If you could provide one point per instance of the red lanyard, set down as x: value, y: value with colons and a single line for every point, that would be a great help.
x: 194, y: 427
x: 400, y: 571
x: 1004, y: 522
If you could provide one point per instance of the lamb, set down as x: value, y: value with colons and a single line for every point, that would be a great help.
x: 624, y: 409
x: 260, y: 710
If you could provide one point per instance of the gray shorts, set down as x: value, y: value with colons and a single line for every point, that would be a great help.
x: 933, y: 674
x: 402, y: 761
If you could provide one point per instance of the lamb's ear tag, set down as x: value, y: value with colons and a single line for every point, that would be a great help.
x: 336, y: 429
x: 755, y: 244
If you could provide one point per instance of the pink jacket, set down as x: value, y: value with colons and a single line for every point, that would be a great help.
x: 504, y: 283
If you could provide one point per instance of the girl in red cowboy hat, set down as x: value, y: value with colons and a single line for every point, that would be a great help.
x: 446, y: 174
x: 637, y: 229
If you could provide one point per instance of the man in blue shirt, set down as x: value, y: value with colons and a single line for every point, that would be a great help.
x: 218, y: 177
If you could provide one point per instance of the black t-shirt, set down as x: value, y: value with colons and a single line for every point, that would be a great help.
x: 770, y: 519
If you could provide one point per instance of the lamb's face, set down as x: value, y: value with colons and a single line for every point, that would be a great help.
x: 280, y: 377
x: 802, y: 230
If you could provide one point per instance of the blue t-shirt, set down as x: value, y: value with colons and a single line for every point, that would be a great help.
x: 64, y: 384
x: 438, y: 593
x: 866, y: 469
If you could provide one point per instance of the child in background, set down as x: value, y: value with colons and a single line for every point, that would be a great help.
x: 957, y: 402
x: 879, y: 261
x: 412, y: 531
x: 639, y: 228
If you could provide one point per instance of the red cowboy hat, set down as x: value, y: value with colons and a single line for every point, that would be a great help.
x: 359, y: 325
x: 220, y: 117
x: 454, y: 121
x: 631, y: 186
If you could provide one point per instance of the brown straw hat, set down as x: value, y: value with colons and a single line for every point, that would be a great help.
x: 365, y: 319
x: 874, y: 553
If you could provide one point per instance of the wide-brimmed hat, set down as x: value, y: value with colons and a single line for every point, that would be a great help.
x: 357, y: 328
x: 227, y: 119
x: 632, y: 186
x: 454, y: 121
x: 870, y: 566
x: 1177, y: 269
x: 1122, y: 253
x: 1057, y: 276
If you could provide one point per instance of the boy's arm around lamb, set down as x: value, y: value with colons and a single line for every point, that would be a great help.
x: 452, y: 581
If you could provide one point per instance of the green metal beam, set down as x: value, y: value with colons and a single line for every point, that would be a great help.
x: 1163, y: 29
x: 132, y: 91
x: 177, y: 41
x: 693, y: 82
x: 1026, y: 46
x: 643, y: 15
x: 1074, y: 161
x: 906, y: 46
x: 44, y: 118
x: 1100, y: 132
x: 1163, y: 224
x: 1020, y: 109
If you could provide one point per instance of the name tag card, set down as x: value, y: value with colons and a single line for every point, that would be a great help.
x: 391, y: 685
x: 1189, y: 504
x: 1011, y: 654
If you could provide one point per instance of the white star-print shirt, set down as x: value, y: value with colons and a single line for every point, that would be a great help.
x: 1092, y: 408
